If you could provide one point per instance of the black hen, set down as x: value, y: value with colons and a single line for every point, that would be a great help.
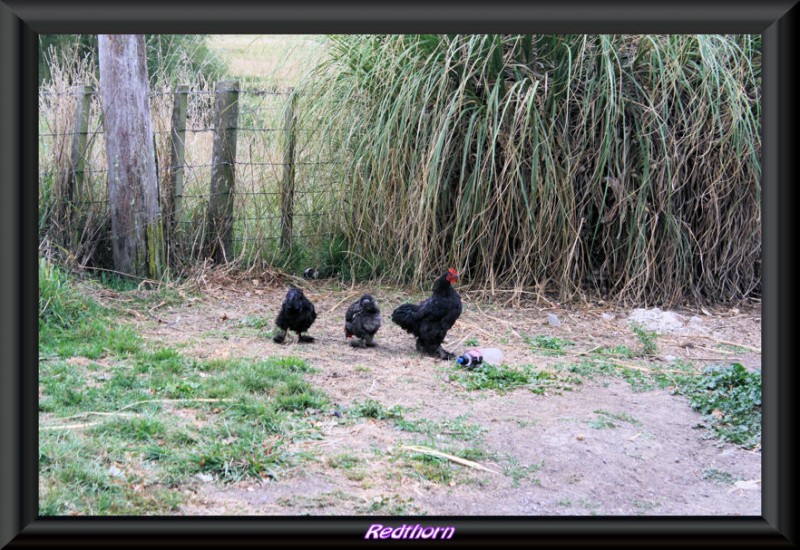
x: 362, y: 320
x: 297, y: 313
x: 430, y: 320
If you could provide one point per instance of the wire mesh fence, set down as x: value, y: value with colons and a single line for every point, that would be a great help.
x: 73, y: 175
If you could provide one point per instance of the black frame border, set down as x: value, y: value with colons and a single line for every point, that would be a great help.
x: 20, y: 25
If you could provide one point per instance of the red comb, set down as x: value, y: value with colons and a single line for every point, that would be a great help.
x: 453, y: 271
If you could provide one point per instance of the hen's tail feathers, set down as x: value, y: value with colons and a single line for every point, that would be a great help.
x: 404, y: 317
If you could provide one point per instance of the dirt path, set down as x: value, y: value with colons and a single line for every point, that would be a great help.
x: 595, y: 447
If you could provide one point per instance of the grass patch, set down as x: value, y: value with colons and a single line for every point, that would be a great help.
x: 78, y: 477
x: 127, y: 423
x: 370, y: 408
x: 344, y: 461
x: 647, y: 339
x: 622, y: 417
x: 547, y: 345
x: 505, y: 378
x: 256, y: 322
x: 72, y: 324
x: 643, y: 506
x: 60, y: 304
x: 259, y: 326
x: 457, y: 428
x: 519, y: 473
x: 729, y: 397
x: 241, y: 432
x: 394, y: 505
x: 117, y: 282
x: 588, y: 368
x: 605, y: 420
x: 439, y: 469
x: 717, y: 476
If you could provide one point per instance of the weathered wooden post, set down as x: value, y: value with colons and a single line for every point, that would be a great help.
x: 73, y: 176
x: 79, y: 137
x: 287, y: 183
x: 220, y: 201
x: 177, y: 157
x: 137, y: 234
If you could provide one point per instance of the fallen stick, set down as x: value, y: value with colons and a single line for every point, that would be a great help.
x: 70, y: 426
x: 440, y: 454
x: 725, y: 352
x: 461, y: 341
x: 198, y: 399
x: 340, y: 302
x: 119, y: 413
x: 477, y: 328
x: 751, y: 348
x: 96, y: 413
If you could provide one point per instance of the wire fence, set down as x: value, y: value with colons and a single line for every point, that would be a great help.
x: 73, y: 175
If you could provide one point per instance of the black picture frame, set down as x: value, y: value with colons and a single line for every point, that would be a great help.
x: 22, y: 22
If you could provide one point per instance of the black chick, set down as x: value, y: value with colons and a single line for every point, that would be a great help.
x: 362, y: 320
x: 430, y: 320
x: 297, y: 313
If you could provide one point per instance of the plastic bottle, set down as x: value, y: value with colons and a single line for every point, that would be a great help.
x: 478, y: 356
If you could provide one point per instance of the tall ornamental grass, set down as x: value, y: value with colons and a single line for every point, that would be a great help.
x: 619, y: 166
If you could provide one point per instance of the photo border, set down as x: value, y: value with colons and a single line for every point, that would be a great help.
x: 20, y: 25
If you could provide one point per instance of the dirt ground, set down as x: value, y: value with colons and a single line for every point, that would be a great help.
x: 550, y: 453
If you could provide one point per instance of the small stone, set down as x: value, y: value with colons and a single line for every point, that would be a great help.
x: 580, y: 437
x: 553, y: 320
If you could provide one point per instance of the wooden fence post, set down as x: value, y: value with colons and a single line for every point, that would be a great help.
x: 137, y: 231
x: 81, y: 131
x: 287, y: 184
x: 177, y: 157
x: 220, y: 202
x: 77, y: 166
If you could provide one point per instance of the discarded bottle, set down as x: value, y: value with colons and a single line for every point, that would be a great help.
x: 478, y: 356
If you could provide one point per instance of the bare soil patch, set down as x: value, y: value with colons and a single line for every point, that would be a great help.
x: 588, y: 447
